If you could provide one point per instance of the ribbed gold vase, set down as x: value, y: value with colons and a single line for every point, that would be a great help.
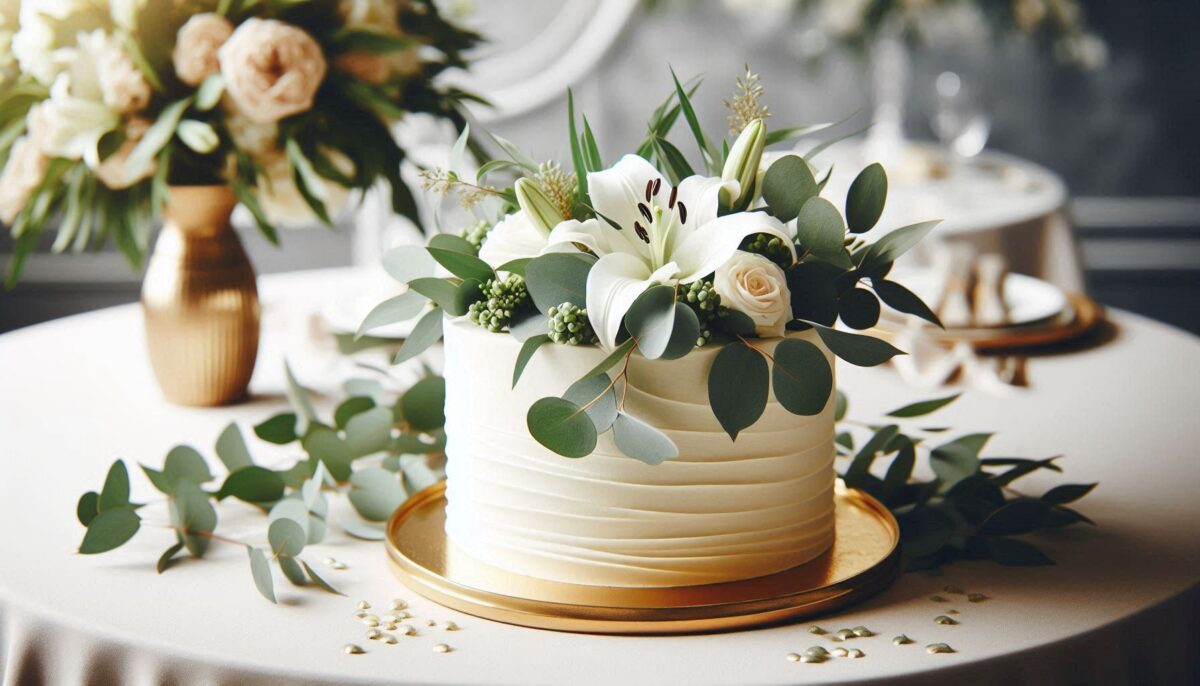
x: 200, y: 301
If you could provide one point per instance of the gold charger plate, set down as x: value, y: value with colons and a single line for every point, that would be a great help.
x: 864, y: 560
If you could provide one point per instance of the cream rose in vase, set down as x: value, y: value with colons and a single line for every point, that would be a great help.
x: 272, y: 70
x: 756, y: 287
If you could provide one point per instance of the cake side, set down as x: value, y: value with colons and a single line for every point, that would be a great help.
x: 721, y: 511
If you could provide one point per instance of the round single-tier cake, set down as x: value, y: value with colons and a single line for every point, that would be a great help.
x: 722, y: 510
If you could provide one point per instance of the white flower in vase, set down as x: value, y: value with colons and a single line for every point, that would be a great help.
x: 76, y: 115
x: 658, y: 235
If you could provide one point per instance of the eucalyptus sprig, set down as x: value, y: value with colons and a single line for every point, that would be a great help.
x: 970, y: 509
x: 374, y: 450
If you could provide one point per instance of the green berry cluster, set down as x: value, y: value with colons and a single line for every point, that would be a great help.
x: 476, y: 233
x: 569, y: 324
x: 702, y: 297
x: 771, y: 247
x: 501, y: 298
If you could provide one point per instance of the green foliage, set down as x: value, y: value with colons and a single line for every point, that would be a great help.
x: 597, y: 397
x: 970, y: 510
x: 427, y: 332
x: 771, y: 247
x: 801, y: 377
x: 528, y: 348
x: 787, y: 186
x: 561, y: 426
x: 641, y: 441
x: 568, y: 324
x: 476, y: 233
x: 738, y: 383
x: 502, y: 299
x: 866, y: 197
x: 702, y: 298
x: 557, y: 278
x: 651, y: 320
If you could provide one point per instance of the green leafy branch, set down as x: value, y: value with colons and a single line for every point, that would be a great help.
x: 969, y: 510
x: 375, y: 450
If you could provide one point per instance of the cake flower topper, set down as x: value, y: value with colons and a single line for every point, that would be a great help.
x: 653, y: 257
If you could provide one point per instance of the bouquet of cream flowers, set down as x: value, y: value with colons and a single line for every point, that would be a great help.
x: 655, y: 257
x: 103, y: 105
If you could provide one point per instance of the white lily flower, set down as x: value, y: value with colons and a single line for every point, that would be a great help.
x: 516, y: 237
x: 658, y: 235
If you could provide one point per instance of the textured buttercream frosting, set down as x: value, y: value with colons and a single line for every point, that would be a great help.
x: 722, y: 510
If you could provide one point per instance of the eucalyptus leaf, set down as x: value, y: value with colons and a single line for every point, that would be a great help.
x: 614, y: 357
x: 366, y: 388
x: 516, y: 266
x: 316, y: 579
x: 366, y: 532
x: 298, y: 398
x: 401, y: 308
x: 375, y: 493
x: 451, y: 242
x: 462, y: 265
x: 923, y: 408
x: 115, y: 493
x: 899, y: 471
x: 857, y: 349
x: 184, y: 463
x: 528, y: 348
x: 349, y: 408
x: 280, y: 429
x: 598, y: 398
x: 859, y: 308
x: 860, y: 467
x: 894, y: 244
x: 427, y: 332
x: 409, y: 262
x: 424, y: 404
x: 903, y: 300
x: 557, y: 278
x: 232, y: 450
x: 684, y: 334
x: 801, y: 377
x: 561, y: 426
x: 821, y: 232
x: 110, y: 529
x: 369, y: 432
x: 195, y: 515
x: 167, y: 559
x: 814, y: 291
x: 260, y: 568
x: 292, y: 570
x: 440, y: 291
x: 465, y: 294
x: 286, y: 537
x: 526, y: 325
x: 1067, y: 493
x: 255, y: 485
x: 866, y: 198
x: 324, y: 446
x: 958, y: 459
x: 651, y: 319
x: 787, y: 186
x: 843, y: 404
x: 641, y: 441
x: 417, y: 474
x: 738, y: 384
x: 88, y: 507
x: 293, y: 509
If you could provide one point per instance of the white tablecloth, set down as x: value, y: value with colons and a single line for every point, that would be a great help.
x: 997, y: 203
x: 1121, y: 605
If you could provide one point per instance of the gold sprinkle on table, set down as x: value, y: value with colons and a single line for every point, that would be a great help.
x: 976, y: 597
x: 399, y: 604
x: 374, y: 634
x: 841, y: 652
x: 389, y: 639
x: 370, y: 620
x: 811, y: 660
x: 816, y: 651
x: 901, y: 640
x: 862, y: 632
x: 856, y: 653
x: 939, y: 599
x: 792, y: 657
x: 935, y: 648
x: 407, y: 629
x: 944, y: 620
x: 352, y: 649
x: 953, y: 589
x: 360, y: 613
x: 364, y: 605
x: 335, y: 564
x: 450, y: 626
x: 814, y: 629
x: 845, y: 634
x: 442, y: 648
x: 430, y: 622
x: 952, y: 612
x: 836, y: 639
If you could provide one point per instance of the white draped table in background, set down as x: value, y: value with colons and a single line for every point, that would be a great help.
x: 1120, y: 606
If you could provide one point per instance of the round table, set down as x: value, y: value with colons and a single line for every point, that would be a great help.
x: 1121, y: 605
x: 995, y: 203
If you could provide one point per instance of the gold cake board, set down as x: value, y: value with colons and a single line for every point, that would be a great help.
x: 864, y: 560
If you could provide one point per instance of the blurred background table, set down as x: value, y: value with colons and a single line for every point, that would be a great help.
x: 1121, y: 606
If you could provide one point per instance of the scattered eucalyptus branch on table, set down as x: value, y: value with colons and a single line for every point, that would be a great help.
x: 375, y: 451
x: 970, y: 509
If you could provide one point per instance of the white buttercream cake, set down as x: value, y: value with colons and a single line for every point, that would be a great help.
x: 720, y: 511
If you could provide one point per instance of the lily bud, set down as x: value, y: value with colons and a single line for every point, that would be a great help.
x: 742, y: 164
x: 537, y: 206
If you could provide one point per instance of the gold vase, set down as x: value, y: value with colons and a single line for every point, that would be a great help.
x: 200, y: 301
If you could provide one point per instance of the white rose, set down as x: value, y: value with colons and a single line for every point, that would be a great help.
x: 35, y: 43
x: 196, y: 46
x: 272, y: 70
x: 756, y: 287
x: 124, y: 87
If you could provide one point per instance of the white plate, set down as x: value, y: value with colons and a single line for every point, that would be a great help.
x: 1029, y: 300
